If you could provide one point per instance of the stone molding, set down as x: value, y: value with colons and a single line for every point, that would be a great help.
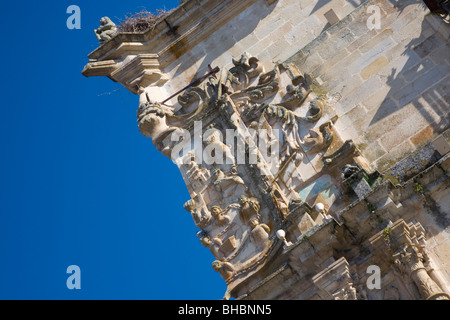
x: 404, y: 245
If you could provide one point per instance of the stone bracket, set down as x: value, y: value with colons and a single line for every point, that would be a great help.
x: 335, y: 281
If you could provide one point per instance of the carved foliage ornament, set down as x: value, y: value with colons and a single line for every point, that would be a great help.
x: 248, y: 87
x: 244, y: 98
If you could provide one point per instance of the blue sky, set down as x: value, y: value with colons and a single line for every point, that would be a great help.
x: 79, y: 185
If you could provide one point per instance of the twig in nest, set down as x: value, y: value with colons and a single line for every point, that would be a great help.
x: 142, y: 21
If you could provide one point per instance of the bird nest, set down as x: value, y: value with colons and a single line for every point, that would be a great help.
x: 142, y: 21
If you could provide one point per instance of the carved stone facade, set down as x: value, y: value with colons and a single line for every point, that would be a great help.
x: 283, y: 194
x: 404, y: 247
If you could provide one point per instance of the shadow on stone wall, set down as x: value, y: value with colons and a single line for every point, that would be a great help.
x: 244, y: 25
x: 421, y: 82
x: 322, y: 3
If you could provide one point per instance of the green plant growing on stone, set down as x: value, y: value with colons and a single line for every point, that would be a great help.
x: 418, y: 188
x: 372, y: 208
x: 387, y: 235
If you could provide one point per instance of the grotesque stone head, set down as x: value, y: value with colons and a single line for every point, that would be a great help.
x: 217, y: 265
x: 216, y: 211
x: 206, y: 241
x: 243, y: 199
x: 190, y: 206
x: 152, y: 120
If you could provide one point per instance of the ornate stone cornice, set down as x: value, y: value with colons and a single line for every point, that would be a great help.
x: 138, y: 59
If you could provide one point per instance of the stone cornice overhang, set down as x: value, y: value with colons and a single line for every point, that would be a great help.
x: 187, y: 26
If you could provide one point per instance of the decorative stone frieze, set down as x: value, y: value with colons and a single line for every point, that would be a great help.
x: 286, y: 196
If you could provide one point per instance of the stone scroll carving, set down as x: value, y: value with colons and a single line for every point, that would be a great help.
x: 241, y: 190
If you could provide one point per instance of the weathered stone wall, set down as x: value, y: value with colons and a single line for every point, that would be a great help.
x: 393, y: 81
x: 336, y: 257
x: 392, y: 84
x: 271, y: 30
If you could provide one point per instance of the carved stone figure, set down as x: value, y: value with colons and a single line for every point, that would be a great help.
x: 298, y: 91
x: 249, y: 208
x: 152, y: 119
x: 259, y: 233
x: 106, y: 31
x: 222, y: 153
x: 349, y: 170
x: 213, y: 245
x: 221, y: 218
x: 280, y: 202
x: 228, y: 185
x: 200, y: 216
x: 196, y: 176
x: 318, y: 139
x: 278, y: 117
x: 315, y: 109
x: 225, y: 269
